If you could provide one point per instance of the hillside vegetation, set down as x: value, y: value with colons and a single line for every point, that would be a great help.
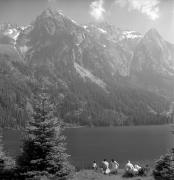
x: 98, y: 75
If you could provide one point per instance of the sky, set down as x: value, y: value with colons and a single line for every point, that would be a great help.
x: 138, y: 15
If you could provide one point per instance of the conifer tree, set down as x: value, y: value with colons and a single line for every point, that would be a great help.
x: 2, y: 155
x: 44, y: 146
x: 6, y: 162
x: 164, y: 169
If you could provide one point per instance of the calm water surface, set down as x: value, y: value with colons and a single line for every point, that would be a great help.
x: 141, y: 144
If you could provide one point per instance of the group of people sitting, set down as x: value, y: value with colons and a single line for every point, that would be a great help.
x: 131, y: 169
x: 106, y: 167
x: 112, y: 168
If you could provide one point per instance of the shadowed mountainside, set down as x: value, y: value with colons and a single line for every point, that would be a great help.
x: 96, y: 74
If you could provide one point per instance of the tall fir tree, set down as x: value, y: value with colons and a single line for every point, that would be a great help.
x: 44, y: 145
x: 164, y: 169
x: 7, y: 164
x: 3, y: 157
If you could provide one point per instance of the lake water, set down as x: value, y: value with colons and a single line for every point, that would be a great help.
x: 141, y: 144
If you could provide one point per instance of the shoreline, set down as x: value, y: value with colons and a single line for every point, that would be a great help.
x: 72, y: 126
x: 69, y: 126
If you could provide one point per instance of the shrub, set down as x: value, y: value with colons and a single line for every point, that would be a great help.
x: 164, y: 169
x: 7, y: 164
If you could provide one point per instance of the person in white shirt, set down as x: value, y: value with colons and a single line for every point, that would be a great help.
x: 136, y: 169
x: 106, y: 169
x: 129, y: 167
x: 94, y: 165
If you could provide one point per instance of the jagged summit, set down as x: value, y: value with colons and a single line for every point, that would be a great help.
x: 154, y: 41
x: 97, y: 72
x: 55, y: 14
x: 53, y: 21
x: 153, y: 33
x: 51, y: 12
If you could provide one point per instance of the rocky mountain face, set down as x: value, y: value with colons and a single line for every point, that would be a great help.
x: 97, y: 74
x: 153, y: 64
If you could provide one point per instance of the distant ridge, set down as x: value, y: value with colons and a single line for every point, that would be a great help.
x: 97, y: 74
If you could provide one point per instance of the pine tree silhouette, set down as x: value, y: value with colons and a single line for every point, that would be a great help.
x: 164, y: 169
x: 44, y: 145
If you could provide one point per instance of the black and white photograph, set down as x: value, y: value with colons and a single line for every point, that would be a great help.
x: 86, y: 89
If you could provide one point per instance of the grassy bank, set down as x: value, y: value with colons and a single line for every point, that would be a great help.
x: 92, y: 175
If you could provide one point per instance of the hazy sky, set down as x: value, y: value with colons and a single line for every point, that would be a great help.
x: 139, y: 15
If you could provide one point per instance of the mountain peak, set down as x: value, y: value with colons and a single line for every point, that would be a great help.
x: 153, y: 33
x: 50, y: 12
x: 55, y: 15
x: 52, y: 20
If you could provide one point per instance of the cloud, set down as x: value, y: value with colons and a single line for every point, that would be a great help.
x: 97, y: 10
x: 147, y: 7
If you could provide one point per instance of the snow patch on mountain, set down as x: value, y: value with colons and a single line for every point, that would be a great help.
x: 25, y: 27
x: 12, y: 33
x: 73, y: 21
x: 131, y: 34
x: 61, y: 13
x: 102, y: 30
x: 84, y: 73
